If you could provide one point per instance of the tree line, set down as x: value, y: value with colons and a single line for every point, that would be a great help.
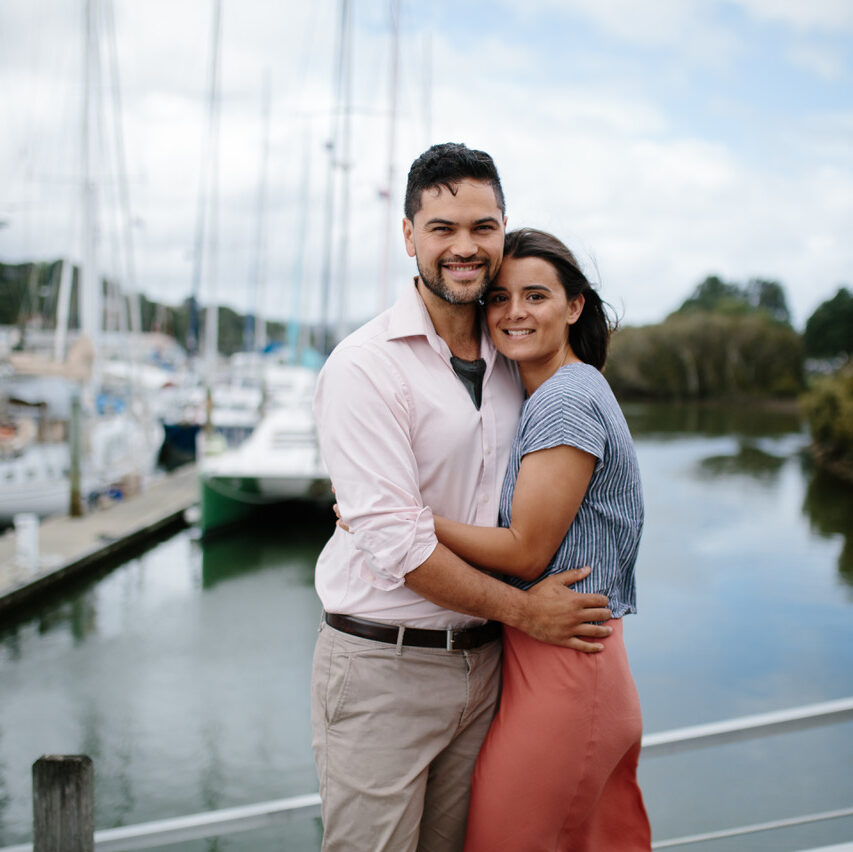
x: 728, y: 341
x: 29, y: 295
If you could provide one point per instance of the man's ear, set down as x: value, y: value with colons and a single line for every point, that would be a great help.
x: 409, y: 236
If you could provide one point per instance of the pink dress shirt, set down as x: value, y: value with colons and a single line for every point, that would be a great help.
x: 400, y: 436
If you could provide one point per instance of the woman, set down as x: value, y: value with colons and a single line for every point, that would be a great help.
x: 558, y: 768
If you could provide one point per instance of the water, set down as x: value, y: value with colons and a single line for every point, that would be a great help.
x: 184, y: 672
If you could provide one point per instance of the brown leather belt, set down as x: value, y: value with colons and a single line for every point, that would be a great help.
x: 450, y: 640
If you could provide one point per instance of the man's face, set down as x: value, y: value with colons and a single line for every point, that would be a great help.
x: 457, y: 240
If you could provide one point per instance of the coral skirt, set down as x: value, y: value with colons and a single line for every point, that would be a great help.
x: 558, y: 769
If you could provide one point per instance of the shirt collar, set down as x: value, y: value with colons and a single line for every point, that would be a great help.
x: 410, y: 318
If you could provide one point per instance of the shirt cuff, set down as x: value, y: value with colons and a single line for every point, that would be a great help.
x: 397, y: 549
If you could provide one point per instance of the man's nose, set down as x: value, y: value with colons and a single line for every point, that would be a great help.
x: 463, y: 244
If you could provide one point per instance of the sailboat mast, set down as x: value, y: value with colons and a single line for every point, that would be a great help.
x: 89, y: 285
x: 211, y: 324
x: 387, y: 193
x: 297, y: 328
x: 346, y: 167
x: 335, y: 161
x: 125, y: 218
x: 255, y: 332
x: 204, y: 247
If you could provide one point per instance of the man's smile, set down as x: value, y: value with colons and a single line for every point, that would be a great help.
x: 463, y: 271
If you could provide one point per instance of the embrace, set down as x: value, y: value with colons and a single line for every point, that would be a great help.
x: 491, y: 512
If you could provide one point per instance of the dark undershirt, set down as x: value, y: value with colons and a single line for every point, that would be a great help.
x: 471, y: 375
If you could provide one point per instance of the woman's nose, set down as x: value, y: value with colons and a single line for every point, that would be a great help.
x: 516, y: 308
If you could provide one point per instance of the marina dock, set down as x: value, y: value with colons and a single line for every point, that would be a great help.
x: 69, y: 547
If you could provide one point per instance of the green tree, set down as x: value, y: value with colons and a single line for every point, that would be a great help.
x: 829, y: 330
x: 703, y: 355
x: 769, y: 296
x: 715, y: 295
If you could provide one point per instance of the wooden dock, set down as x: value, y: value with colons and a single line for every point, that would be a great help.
x: 68, y: 547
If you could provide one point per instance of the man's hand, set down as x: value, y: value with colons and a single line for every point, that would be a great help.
x: 557, y: 615
x: 339, y: 522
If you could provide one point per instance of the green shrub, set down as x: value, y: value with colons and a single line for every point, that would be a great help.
x: 828, y: 407
x: 701, y: 355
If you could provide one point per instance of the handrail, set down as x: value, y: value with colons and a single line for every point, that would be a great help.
x: 247, y: 817
x: 148, y: 835
x: 209, y: 824
x: 746, y: 727
x: 753, y: 829
x: 231, y: 820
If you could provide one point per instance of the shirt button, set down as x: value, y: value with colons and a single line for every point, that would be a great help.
x: 486, y: 499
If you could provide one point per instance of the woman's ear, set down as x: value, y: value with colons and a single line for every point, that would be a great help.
x: 576, y: 308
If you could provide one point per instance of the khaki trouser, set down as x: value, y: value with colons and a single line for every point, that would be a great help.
x: 396, y: 734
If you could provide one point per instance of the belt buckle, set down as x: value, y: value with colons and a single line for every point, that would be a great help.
x: 449, y: 633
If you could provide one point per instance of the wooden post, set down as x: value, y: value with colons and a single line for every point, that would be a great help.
x: 63, y: 803
x: 75, y: 510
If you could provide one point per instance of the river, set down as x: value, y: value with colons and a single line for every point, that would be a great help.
x: 183, y: 672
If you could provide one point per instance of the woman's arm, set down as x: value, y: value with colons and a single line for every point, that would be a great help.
x: 550, y: 488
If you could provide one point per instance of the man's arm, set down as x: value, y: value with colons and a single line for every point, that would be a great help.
x: 549, y: 611
x: 549, y: 490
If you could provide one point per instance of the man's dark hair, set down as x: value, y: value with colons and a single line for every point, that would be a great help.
x: 447, y: 165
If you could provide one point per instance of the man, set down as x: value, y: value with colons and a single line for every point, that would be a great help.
x: 416, y: 413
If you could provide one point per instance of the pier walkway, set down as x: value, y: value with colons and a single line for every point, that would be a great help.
x: 67, y: 547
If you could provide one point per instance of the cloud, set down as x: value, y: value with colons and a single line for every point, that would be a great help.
x: 636, y: 157
x: 815, y: 15
x: 819, y: 59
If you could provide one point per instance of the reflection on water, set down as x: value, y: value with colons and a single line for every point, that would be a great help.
x: 828, y: 504
x: 749, y: 460
x: 228, y: 556
x: 711, y: 420
x: 743, y: 590
x: 184, y: 672
x: 762, y: 442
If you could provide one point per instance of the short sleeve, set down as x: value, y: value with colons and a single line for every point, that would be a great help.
x: 564, y: 412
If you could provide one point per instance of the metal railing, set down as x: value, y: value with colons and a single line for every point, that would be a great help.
x: 231, y: 820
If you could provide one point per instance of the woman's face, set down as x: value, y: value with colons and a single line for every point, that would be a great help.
x: 528, y: 312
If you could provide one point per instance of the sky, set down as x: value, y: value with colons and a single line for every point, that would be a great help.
x: 662, y: 140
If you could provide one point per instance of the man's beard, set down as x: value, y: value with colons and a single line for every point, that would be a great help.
x: 437, y: 286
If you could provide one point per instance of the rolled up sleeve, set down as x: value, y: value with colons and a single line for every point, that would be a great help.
x: 363, y: 414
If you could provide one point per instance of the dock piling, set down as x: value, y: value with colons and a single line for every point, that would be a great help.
x: 27, y: 542
x: 63, y: 803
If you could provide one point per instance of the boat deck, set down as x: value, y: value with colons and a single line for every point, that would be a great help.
x: 69, y: 546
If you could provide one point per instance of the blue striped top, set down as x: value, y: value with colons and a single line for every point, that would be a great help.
x: 575, y: 407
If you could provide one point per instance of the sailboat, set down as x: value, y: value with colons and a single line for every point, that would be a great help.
x: 118, y: 440
x: 280, y: 461
x: 118, y: 448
